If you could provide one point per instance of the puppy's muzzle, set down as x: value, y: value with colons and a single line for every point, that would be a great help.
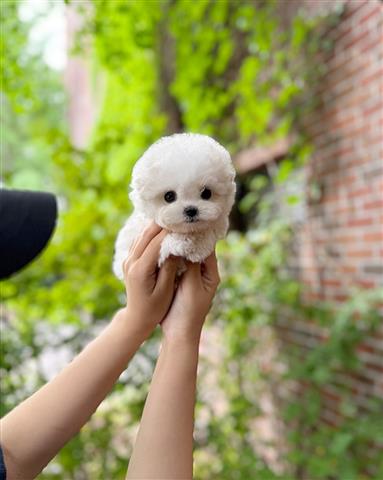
x: 191, y: 214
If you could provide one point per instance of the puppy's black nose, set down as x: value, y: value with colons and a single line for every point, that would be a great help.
x: 191, y: 212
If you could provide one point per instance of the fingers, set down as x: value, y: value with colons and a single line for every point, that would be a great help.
x: 128, y: 259
x: 210, y: 268
x: 141, y: 243
x: 133, y: 246
x: 206, y: 272
x: 149, y: 258
x: 167, y: 276
x: 144, y: 240
x: 193, y: 271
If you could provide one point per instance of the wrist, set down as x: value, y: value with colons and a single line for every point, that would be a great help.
x: 124, y: 326
x: 181, y: 342
x: 181, y: 357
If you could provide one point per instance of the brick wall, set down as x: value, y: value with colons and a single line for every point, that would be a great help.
x: 341, y: 243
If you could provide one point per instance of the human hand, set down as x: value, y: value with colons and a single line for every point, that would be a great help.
x: 149, y: 290
x: 192, y: 301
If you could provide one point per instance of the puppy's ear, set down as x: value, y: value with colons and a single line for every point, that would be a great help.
x: 145, y: 189
x: 138, y: 184
x: 147, y: 180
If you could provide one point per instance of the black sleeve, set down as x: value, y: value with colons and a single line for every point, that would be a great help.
x: 3, y: 473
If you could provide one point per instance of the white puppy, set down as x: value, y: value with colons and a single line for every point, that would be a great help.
x: 185, y: 183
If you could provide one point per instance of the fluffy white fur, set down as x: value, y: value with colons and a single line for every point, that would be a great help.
x: 186, y: 164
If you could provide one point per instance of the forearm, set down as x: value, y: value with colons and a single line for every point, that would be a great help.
x: 35, y: 431
x: 166, y: 429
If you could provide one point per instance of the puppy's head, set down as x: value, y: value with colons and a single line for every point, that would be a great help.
x: 184, y: 182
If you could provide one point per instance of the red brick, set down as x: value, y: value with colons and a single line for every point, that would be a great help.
x: 350, y: 210
x: 331, y: 395
x: 342, y: 151
x: 358, y: 161
x: 342, y: 238
x: 373, y: 237
x: 352, y: 7
x: 331, y: 283
x: 330, y: 198
x: 348, y: 269
x: 348, y: 152
x: 378, y: 368
x: 362, y: 35
x: 360, y: 222
x: 377, y: 75
x: 360, y: 253
x: 375, y: 108
x: 343, y: 33
x: 373, y: 11
x: 339, y: 297
x: 366, y: 283
x: 371, y: 45
x: 352, y: 119
x: 365, y: 348
x: 373, y: 204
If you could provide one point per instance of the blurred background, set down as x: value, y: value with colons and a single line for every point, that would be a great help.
x: 291, y: 370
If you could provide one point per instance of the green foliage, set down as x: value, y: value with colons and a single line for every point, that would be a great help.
x: 222, y: 68
x: 257, y: 292
x: 32, y: 107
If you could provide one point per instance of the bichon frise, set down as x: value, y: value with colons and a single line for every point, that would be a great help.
x: 185, y: 183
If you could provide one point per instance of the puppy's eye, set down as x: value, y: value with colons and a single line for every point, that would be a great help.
x: 170, y: 196
x: 206, y: 193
